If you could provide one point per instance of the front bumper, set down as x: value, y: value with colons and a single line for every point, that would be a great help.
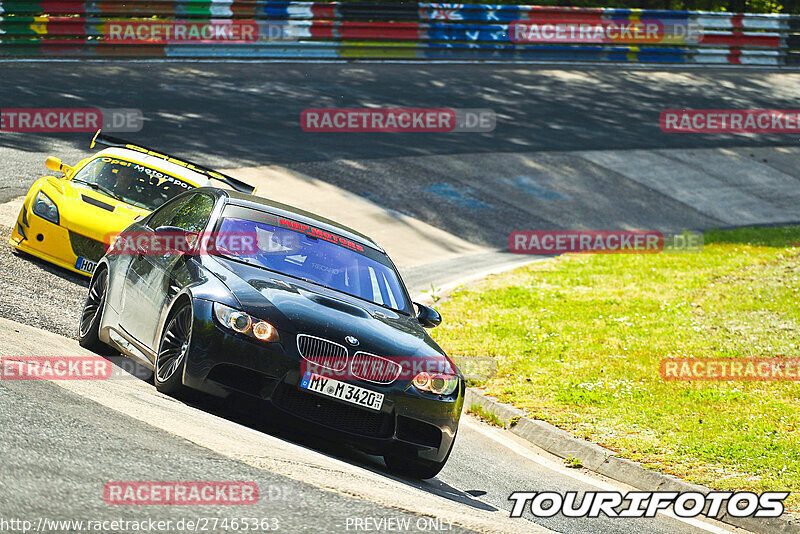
x: 222, y: 362
x: 48, y: 241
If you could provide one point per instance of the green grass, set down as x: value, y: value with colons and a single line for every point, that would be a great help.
x: 579, y: 340
x: 486, y: 415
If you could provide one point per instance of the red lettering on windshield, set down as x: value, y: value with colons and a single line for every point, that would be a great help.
x: 320, y: 234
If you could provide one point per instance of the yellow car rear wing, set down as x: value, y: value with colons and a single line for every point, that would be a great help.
x: 116, y: 142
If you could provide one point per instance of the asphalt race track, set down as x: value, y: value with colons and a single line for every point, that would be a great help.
x: 248, y: 113
x: 77, y: 435
x: 576, y: 141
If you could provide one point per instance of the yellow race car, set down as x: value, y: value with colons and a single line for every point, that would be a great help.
x: 69, y: 221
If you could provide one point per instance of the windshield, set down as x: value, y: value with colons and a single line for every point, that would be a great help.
x: 328, y: 260
x: 130, y: 182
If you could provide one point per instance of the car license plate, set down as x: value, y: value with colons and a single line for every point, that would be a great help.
x: 342, y: 391
x: 87, y: 266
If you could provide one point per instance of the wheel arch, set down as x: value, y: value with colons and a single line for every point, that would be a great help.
x: 102, y: 264
x: 184, y: 296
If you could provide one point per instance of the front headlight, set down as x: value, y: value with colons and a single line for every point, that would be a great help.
x: 244, y: 324
x: 45, y: 208
x: 439, y: 383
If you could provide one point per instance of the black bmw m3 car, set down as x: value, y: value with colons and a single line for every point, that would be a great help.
x: 227, y: 292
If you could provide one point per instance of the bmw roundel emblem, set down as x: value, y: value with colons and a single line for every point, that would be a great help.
x: 352, y: 340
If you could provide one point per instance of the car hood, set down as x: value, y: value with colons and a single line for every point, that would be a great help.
x: 296, y: 307
x: 89, y: 212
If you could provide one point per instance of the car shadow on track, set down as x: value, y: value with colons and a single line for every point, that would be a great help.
x: 39, y: 294
x: 53, y: 269
x: 254, y: 414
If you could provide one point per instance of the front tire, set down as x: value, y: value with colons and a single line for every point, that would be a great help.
x: 89, y: 326
x: 172, y: 350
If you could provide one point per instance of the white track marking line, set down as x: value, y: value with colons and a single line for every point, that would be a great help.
x: 9, y: 211
x: 580, y: 477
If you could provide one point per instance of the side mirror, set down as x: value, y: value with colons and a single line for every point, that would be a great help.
x: 54, y: 164
x: 428, y: 317
x: 171, y: 230
x: 177, y: 240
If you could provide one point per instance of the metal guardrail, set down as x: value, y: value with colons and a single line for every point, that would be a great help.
x: 296, y: 30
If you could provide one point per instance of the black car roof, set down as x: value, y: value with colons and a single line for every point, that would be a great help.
x: 297, y: 214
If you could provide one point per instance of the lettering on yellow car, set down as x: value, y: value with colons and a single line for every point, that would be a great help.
x: 160, y: 176
x: 117, y: 162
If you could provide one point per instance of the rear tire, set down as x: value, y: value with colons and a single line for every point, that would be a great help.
x: 89, y: 327
x: 172, y: 351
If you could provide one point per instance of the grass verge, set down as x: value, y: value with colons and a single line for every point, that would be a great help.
x: 485, y: 415
x: 579, y: 341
